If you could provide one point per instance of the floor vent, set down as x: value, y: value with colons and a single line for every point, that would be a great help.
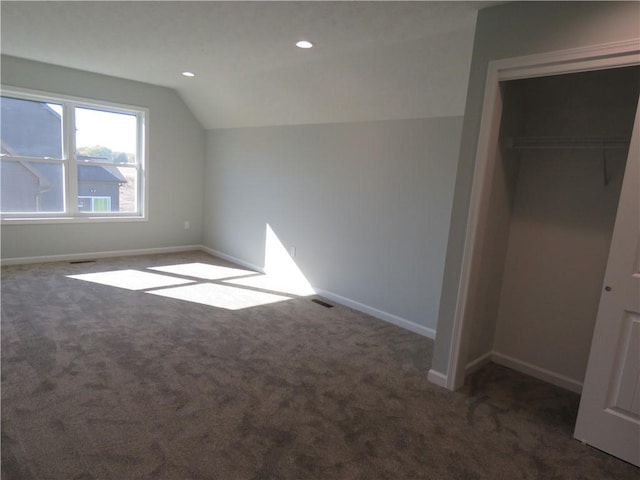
x: 320, y: 302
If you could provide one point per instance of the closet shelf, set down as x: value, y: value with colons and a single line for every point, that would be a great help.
x: 521, y: 143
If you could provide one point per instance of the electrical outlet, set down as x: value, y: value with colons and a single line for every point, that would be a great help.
x: 186, y: 225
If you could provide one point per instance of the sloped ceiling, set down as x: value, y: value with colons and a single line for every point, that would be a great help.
x: 371, y: 60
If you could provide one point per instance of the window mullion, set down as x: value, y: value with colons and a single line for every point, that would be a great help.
x: 71, y: 159
x: 141, y: 165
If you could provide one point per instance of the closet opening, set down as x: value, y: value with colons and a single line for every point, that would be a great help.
x: 554, y: 213
x: 560, y: 160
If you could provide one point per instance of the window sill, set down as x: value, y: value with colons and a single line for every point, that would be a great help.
x: 62, y: 219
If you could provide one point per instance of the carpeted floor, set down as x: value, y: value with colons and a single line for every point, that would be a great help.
x: 113, y: 382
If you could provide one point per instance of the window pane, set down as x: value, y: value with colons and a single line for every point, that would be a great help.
x: 102, y: 204
x: 105, y: 188
x: 31, y: 129
x: 105, y: 136
x: 94, y: 204
x: 29, y: 187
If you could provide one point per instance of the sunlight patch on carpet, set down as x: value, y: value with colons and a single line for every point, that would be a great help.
x: 130, y: 279
x: 220, y: 296
x: 278, y: 284
x: 204, y: 271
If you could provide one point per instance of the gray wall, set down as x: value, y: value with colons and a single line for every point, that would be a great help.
x: 175, y: 162
x: 511, y: 30
x: 367, y: 205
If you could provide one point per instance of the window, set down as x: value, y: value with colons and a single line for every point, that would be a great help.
x: 67, y: 159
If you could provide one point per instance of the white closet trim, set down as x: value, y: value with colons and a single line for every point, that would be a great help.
x: 597, y: 57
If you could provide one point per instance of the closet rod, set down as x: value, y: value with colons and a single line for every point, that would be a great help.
x: 565, y: 142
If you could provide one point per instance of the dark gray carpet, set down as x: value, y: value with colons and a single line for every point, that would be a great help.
x: 100, y: 382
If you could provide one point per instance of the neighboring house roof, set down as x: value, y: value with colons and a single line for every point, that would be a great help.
x: 24, y: 120
x: 43, y: 181
x: 5, y: 149
x: 46, y: 173
x: 100, y: 173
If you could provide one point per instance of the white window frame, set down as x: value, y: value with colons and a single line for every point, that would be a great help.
x: 70, y: 162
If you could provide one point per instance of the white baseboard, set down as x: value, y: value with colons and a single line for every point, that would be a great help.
x: 437, y: 378
x: 347, y: 302
x: 440, y: 379
x: 478, y: 363
x: 537, y: 372
x: 232, y: 259
x: 94, y: 255
x: 382, y: 315
x: 514, y: 364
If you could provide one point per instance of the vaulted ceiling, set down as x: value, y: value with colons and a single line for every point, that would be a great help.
x: 371, y: 60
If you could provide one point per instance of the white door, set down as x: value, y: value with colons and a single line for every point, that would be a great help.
x: 609, y: 415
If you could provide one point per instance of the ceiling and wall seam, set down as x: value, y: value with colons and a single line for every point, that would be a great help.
x: 371, y: 60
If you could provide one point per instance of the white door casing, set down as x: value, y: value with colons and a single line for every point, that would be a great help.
x: 614, y: 55
x: 614, y: 428
x: 609, y: 415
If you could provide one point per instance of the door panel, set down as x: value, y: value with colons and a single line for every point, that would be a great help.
x: 624, y: 394
x: 609, y: 415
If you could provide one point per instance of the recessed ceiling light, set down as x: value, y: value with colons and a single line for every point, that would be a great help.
x: 188, y: 74
x: 304, y: 44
